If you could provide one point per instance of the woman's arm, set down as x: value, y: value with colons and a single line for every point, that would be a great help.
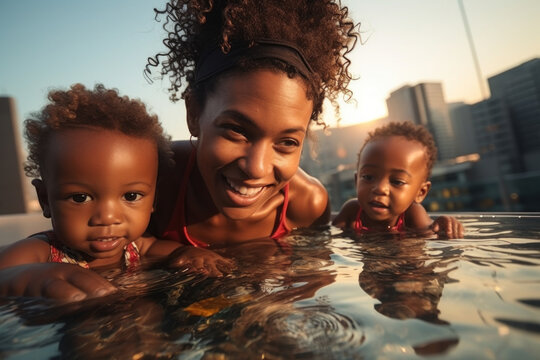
x: 190, y: 258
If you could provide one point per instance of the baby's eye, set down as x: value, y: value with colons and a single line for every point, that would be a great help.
x: 397, y: 182
x: 132, y: 196
x: 80, y: 198
x: 366, y: 177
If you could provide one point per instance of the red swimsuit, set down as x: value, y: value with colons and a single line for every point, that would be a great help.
x: 177, y: 229
x: 359, y: 227
x: 63, y: 254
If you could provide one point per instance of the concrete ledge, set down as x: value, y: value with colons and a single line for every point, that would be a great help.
x: 19, y: 226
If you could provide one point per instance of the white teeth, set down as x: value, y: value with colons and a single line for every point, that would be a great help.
x: 244, y: 190
x: 107, y: 239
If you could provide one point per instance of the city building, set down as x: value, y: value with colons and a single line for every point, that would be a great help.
x: 12, y: 179
x: 495, y: 138
x: 519, y: 87
x: 464, y: 131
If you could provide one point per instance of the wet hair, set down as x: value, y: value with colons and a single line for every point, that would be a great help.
x: 321, y: 30
x: 411, y: 132
x: 101, y: 108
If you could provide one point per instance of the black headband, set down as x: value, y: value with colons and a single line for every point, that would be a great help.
x: 215, y: 61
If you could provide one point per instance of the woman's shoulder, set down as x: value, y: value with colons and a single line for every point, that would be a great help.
x: 308, y: 201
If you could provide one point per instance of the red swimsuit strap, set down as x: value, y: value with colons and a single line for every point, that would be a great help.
x: 358, y: 226
x: 181, y: 203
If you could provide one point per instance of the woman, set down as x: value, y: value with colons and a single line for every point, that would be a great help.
x: 253, y: 75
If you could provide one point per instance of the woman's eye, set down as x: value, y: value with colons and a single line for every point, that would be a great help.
x: 80, y: 198
x: 288, y: 145
x: 132, y: 196
x: 233, y: 130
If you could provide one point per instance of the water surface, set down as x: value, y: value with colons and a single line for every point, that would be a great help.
x: 331, y: 295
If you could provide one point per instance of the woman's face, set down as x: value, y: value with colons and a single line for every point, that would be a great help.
x: 251, y: 132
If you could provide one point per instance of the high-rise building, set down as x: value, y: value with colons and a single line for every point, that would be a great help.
x: 12, y: 189
x: 463, y: 124
x: 520, y: 89
x: 425, y: 104
x: 496, y: 141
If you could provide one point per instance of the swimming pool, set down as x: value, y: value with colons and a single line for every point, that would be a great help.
x: 331, y: 295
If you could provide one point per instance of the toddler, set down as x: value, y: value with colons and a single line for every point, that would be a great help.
x: 393, y: 169
x: 94, y: 156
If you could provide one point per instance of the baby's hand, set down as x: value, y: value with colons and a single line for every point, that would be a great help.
x: 447, y: 227
x: 53, y: 280
x: 201, y: 261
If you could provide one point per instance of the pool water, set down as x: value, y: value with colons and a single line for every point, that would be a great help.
x: 330, y: 295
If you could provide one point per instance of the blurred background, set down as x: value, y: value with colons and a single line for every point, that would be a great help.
x: 468, y: 70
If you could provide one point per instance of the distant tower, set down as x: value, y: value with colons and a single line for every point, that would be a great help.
x: 464, y: 129
x: 424, y: 104
x: 519, y: 87
x: 12, y: 194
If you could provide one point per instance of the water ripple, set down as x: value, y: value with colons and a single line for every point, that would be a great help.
x: 311, y: 332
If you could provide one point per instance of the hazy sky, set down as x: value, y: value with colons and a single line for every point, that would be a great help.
x: 55, y: 43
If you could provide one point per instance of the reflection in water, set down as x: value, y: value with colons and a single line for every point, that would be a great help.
x: 407, y: 281
x: 329, y: 295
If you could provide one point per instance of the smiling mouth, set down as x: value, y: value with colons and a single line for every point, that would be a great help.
x: 243, y: 190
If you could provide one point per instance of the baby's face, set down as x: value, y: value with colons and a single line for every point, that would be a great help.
x: 391, y: 175
x: 100, y: 188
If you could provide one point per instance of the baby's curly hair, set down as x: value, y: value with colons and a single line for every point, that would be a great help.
x: 101, y: 108
x: 321, y: 29
x: 410, y: 131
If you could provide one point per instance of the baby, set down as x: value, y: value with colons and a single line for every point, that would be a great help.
x: 94, y: 156
x: 393, y: 169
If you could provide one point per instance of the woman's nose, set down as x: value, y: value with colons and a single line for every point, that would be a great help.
x: 106, y: 213
x: 258, y: 160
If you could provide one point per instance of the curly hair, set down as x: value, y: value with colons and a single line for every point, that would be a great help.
x: 321, y: 29
x: 410, y: 131
x: 101, y: 108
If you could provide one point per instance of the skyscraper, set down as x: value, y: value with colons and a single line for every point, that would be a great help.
x: 463, y: 125
x: 424, y: 104
x: 495, y: 138
x: 519, y: 87
x: 12, y: 194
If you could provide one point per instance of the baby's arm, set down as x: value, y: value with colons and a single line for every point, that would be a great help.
x: 347, y: 214
x: 417, y: 218
x: 24, y: 271
x: 192, y: 259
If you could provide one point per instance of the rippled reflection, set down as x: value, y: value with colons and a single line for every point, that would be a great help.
x: 329, y: 295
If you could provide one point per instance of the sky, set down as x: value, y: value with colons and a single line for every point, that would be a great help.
x: 55, y: 43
